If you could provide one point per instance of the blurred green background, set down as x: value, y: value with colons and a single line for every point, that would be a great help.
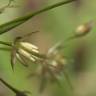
x: 54, y: 25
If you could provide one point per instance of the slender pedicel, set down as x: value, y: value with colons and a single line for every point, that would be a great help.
x: 9, y: 86
x: 5, y: 43
x: 16, y: 91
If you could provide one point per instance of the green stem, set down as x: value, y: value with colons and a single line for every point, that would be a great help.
x: 5, y: 43
x: 12, y: 24
x: 9, y: 86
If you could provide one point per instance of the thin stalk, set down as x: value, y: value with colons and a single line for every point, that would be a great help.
x: 12, y: 24
x: 9, y: 86
x: 68, y: 80
x: 6, y: 43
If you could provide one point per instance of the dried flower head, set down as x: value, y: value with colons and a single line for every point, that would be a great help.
x: 51, y: 68
x: 16, y: 91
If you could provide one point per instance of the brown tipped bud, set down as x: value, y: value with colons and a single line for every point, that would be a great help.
x: 84, y: 29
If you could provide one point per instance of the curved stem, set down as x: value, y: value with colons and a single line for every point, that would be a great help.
x: 9, y: 86
x: 12, y: 24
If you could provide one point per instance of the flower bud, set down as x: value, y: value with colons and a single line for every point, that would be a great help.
x: 84, y: 29
x: 26, y: 54
x: 25, y: 49
x: 29, y: 46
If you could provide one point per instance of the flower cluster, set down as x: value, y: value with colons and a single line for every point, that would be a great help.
x: 23, y: 50
x: 50, y: 66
